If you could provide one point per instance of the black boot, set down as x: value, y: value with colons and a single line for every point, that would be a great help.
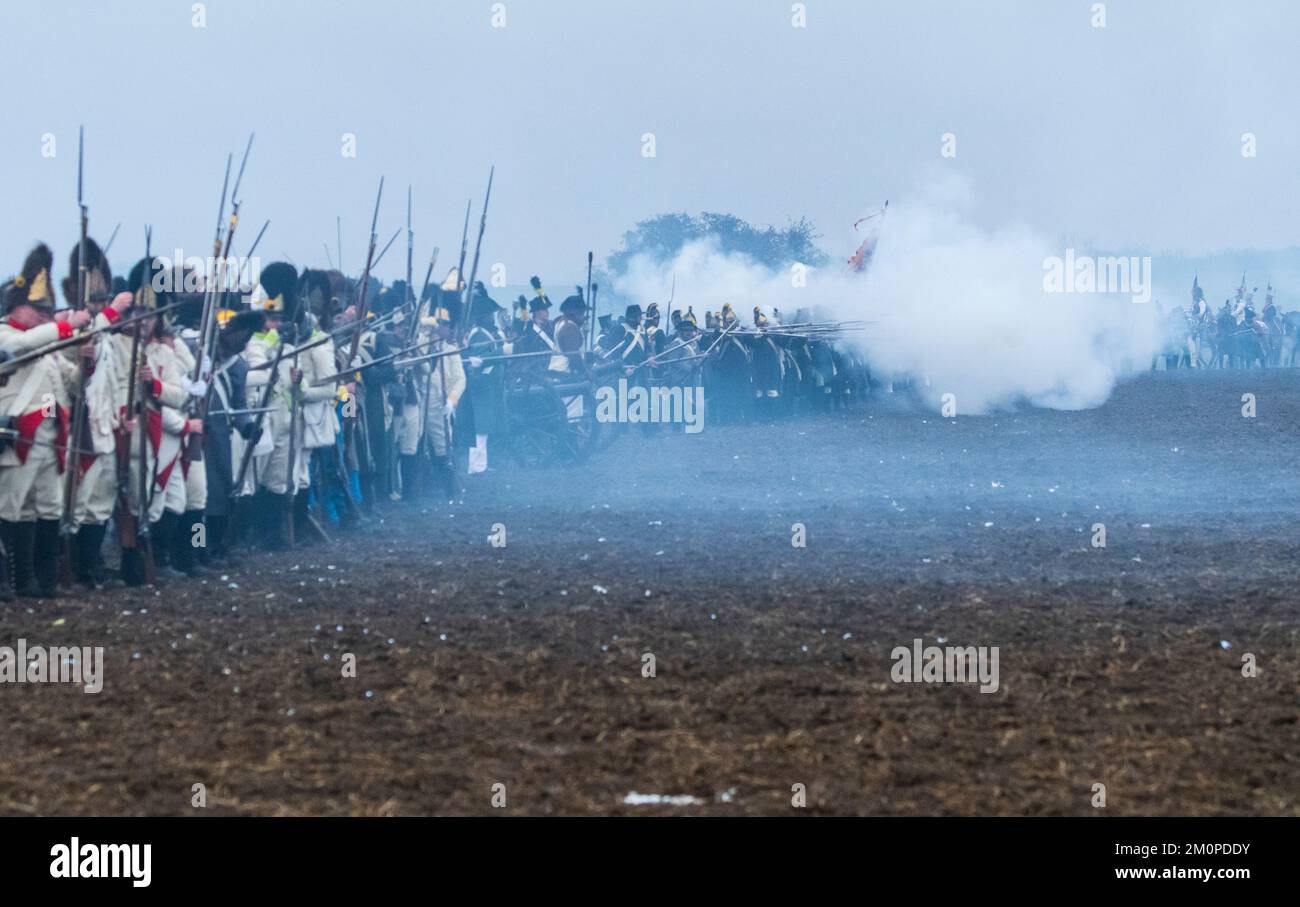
x: 21, y: 555
x: 80, y: 556
x: 201, y: 552
x: 184, y: 550
x: 300, y: 513
x: 132, y: 565
x: 88, y: 553
x: 217, y: 549
x: 259, y: 530
x: 277, y: 521
x: 448, y: 481
x: 162, y: 532
x: 6, y: 563
x: 45, y: 558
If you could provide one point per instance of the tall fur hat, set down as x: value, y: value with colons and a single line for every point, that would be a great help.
x: 315, y: 290
x: 386, y: 300
x: 99, y: 275
x: 144, y: 286
x: 277, y: 290
x: 190, y: 311
x: 32, y: 285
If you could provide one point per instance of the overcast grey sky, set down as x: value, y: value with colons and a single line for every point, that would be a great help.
x: 1128, y: 135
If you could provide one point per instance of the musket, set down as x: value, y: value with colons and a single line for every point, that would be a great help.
x: 251, y: 411
x: 815, y: 325
x: 329, y: 258
x: 362, y: 305
x: 333, y: 335
x: 295, y: 411
x: 478, y: 245
x: 419, y: 302
x: 769, y: 333
x: 352, y: 370
x: 591, y: 321
x: 464, y: 322
x: 410, y: 243
x: 144, y: 544
x: 112, y: 237
x: 428, y: 378
x: 338, y: 232
x: 262, y: 408
x: 683, y: 359
x: 721, y: 334
x: 365, y: 275
x: 295, y: 419
x: 415, y: 360
x: 486, y: 359
x: 668, y: 315
x: 464, y: 246
x: 253, y: 248
x: 12, y: 436
x: 81, y: 337
x: 207, y: 324
x: 382, y: 252
x: 83, y: 270
x: 72, y: 462
x: 658, y: 361
x: 239, y: 277
x: 127, y: 529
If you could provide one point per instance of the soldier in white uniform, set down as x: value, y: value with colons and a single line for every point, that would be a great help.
x: 187, y: 497
x: 276, y: 296
x: 439, y: 384
x: 34, y: 401
x: 104, y: 399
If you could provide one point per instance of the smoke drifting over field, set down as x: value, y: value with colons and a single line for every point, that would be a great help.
x: 959, y: 309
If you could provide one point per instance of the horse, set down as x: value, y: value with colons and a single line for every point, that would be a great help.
x: 1224, y: 345
x: 1248, y: 345
x: 1289, y: 346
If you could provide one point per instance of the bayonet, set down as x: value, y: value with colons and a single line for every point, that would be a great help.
x: 365, y: 276
x: 112, y: 237
x: 591, y: 319
x: 478, y: 245
x: 396, y: 233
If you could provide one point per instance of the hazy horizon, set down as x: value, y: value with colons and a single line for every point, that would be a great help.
x: 1127, y: 136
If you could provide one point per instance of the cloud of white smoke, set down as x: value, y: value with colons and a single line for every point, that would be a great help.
x: 959, y: 309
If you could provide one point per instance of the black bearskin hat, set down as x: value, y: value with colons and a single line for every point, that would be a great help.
x: 99, y: 275
x: 279, y: 285
x: 145, y: 286
x: 189, y: 311
x: 32, y: 285
x: 314, y: 289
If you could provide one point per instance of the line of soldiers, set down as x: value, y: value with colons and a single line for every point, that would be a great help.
x: 300, y: 418
x: 1234, y: 335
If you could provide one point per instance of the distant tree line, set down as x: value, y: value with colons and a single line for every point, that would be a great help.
x: 664, y: 235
